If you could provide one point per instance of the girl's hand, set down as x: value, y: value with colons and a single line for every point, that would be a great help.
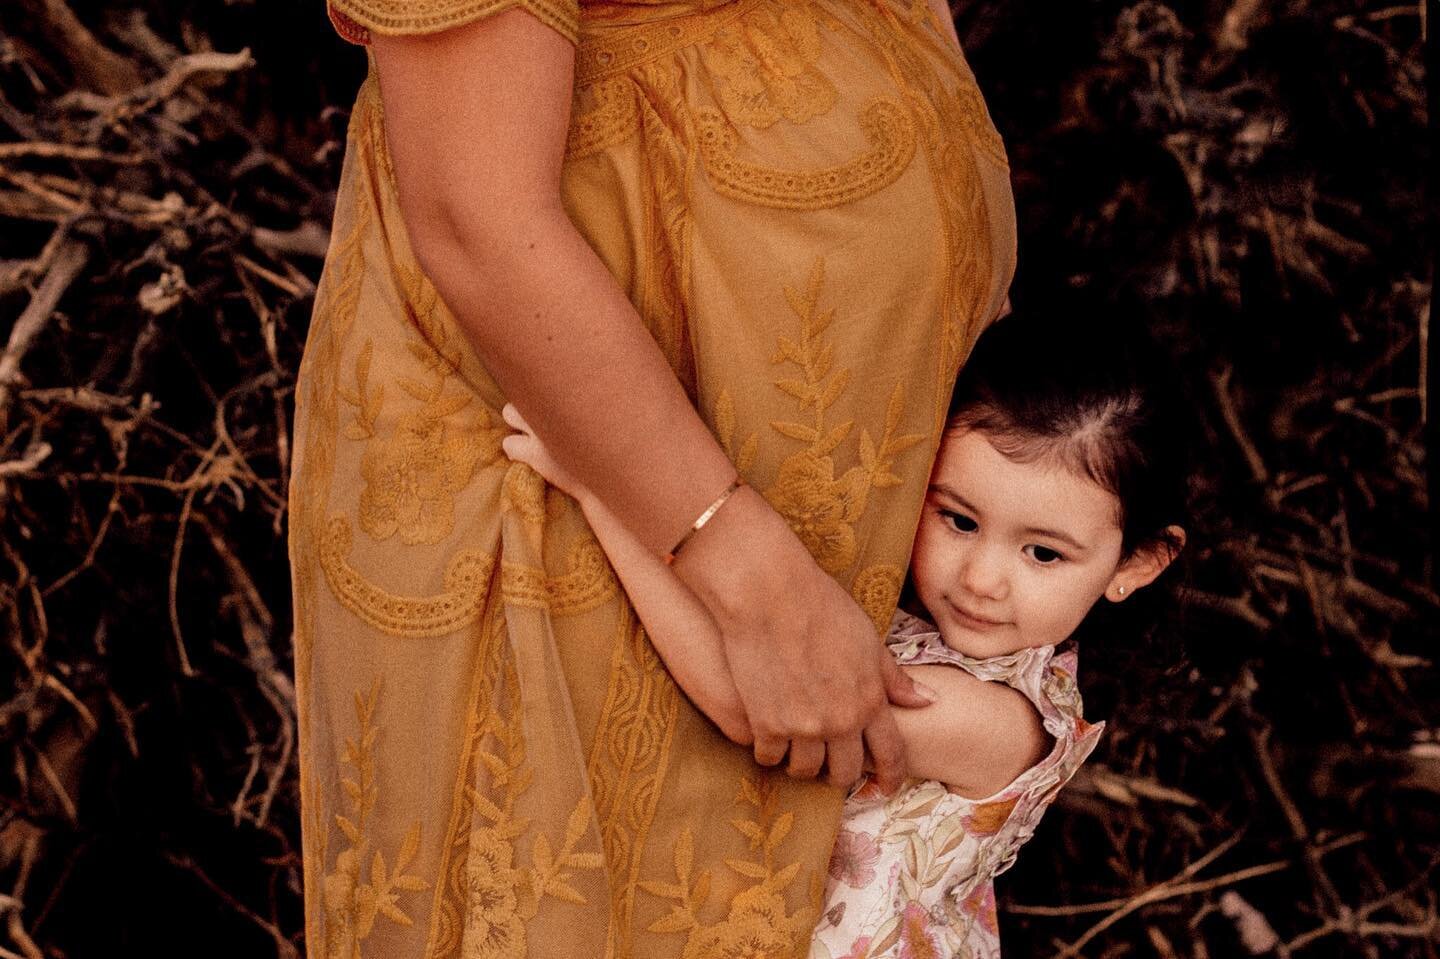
x: 525, y: 447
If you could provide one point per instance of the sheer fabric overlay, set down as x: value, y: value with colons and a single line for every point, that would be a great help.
x: 810, y: 210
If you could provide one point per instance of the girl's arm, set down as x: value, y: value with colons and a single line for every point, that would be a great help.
x: 976, y: 737
x: 678, y: 624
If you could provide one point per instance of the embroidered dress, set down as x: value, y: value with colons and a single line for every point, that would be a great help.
x: 913, y: 874
x: 810, y: 210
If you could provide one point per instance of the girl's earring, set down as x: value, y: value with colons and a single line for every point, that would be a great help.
x: 1120, y: 590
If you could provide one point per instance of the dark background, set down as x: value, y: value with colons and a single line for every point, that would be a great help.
x: 1246, y: 179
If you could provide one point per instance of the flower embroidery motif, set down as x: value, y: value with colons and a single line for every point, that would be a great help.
x: 412, y: 476
x: 854, y: 858
x: 493, y: 926
x: 353, y: 901
x: 756, y: 928
x: 412, y: 473
x: 819, y: 508
x: 757, y: 925
x: 765, y: 65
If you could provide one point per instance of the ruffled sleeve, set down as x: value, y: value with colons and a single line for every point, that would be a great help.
x: 1046, y: 676
x: 357, y: 20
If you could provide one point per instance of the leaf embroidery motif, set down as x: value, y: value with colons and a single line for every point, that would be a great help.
x: 413, y: 471
x: 821, y: 508
x: 756, y: 923
x: 352, y: 901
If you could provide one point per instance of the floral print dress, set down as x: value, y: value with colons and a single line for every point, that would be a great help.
x: 913, y: 874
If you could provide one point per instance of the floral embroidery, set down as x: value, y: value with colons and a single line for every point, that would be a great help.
x: 819, y: 507
x: 886, y: 124
x: 757, y: 925
x: 354, y: 902
x: 764, y: 66
x: 412, y: 474
x: 500, y: 895
x: 877, y: 590
x: 493, y: 926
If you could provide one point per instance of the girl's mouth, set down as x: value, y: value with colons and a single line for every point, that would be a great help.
x: 973, y: 621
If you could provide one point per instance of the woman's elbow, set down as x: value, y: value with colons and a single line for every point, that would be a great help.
x: 478, y: 243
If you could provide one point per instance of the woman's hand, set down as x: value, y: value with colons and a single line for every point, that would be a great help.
x: 815, y: 680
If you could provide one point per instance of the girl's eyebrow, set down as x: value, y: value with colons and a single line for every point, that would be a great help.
x: 964, y: 504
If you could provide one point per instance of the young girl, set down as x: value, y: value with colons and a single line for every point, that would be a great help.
x: 1057, y: 482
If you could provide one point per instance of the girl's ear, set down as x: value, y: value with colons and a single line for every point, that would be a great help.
x: 1148, y: 561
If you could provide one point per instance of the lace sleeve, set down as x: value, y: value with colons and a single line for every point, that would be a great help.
x: 356, y: 20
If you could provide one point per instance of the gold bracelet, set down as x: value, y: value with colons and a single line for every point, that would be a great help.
x: 704, y: 518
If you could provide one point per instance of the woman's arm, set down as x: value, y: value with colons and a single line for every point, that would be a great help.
x: 976, y: 737
x: 476, y: 119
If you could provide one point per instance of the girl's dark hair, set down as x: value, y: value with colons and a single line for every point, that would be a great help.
x: 1092, y: 396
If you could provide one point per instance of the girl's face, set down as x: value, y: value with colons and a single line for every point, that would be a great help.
x: 1012, y: 555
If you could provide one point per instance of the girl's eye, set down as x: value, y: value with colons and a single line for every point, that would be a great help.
x: 960, y: 521
x: 1043, y: 555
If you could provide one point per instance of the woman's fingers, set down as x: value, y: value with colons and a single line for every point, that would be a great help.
x: 887, y: 751
x: 806, y: 758
x: 900, y: 689
x: 843, y: 760
x: 769, y: 750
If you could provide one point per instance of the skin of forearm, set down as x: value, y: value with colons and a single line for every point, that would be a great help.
x: 567, y: 347
x: 678, y: 624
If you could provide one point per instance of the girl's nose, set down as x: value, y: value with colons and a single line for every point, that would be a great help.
x: 982, y: 574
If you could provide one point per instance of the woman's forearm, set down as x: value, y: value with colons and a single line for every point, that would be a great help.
x: 478, y: 185
x: 567, y: 347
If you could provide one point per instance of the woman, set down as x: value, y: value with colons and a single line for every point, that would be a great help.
x: 694, y: 242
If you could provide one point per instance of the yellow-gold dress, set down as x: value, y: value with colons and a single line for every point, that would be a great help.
x: 810, y: 209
